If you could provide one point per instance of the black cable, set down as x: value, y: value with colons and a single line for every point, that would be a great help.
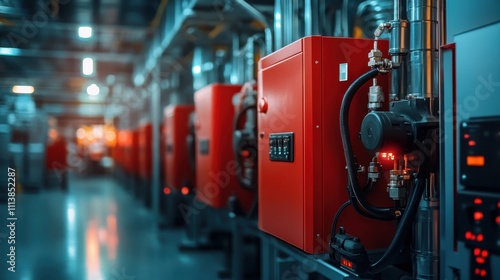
x: 247, y: 183
x: 402, y: 231
x: 337, y: 216
x: 368, y: 186
x: 348, y: 152
x: 191, y: 143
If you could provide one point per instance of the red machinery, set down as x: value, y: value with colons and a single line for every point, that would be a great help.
x: 178, y: 173
x: 302, y: 177
x: 55, y: 161
x: 215, y: 164
x: 145, y: 141
x: 56, y: 154
x: 130, y: 152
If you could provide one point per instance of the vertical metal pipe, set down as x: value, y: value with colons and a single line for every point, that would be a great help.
x: 155, y: 122
x: 278, y: 21
x: 426, y: 235
x: 423, y: 77
x: 236, y: 63
x: 399, y: 50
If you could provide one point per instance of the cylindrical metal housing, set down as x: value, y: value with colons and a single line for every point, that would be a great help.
x: 398, y: 45
x: 424, y: 55
x: 426, y: 239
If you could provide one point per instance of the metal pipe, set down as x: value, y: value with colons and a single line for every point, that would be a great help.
x: 424, y: 55
x: 399, y: 50
x: 155, y: 122
x: 260, y: 17
x: 426, y: 234
x: 236, y: 64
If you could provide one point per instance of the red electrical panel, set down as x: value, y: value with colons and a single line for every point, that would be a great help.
x: 145, y: 141
x: 179, y: 172
x: 131, y: 152
x: 121, y: 144
x: 302, y: 176
x: 215, y: 165
x: 56, y: 155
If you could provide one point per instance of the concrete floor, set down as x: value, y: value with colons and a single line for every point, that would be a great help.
x: 95, y: 231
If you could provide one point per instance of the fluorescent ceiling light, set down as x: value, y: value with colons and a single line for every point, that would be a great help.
x: 85, y: 32
x: 87, y: 66
x: 9, y: 51
x: 93, y: 90
x: 23, y: 89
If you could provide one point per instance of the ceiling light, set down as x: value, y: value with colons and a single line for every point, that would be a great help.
x: 9, y: 51
x: 87, y: 66
x: 85, y: 32
x: 196, y: 69
x: 93, y: 90
x: 23, y: 89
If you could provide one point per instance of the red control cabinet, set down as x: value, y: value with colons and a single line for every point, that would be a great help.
x: 56, y: 154
x: 131, y: 153
x: 179, y: 172
x: 300, y: 189
x: 215, y: 164
x: 145, y: 141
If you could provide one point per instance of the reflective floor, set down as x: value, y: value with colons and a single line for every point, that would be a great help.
x: 95, y: 231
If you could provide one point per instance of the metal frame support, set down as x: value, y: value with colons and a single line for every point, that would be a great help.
x: 155, y: 122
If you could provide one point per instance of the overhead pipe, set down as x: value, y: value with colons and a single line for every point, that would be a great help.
x: 260, y: 17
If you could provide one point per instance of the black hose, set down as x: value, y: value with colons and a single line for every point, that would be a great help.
x: 247, y: 183
x: 402, y: 231
x: 358, y: 209
x: 348, y: 152
x: 191, y: 143
x: 337, y: 216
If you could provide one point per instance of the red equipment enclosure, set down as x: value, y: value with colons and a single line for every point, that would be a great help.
x: 56, y: 155
x: 122, y: 142
x: 300, y: 91
x: 178, y: 170
x: 215, y: 164
x: 145, y: 141
x: 130, y: 151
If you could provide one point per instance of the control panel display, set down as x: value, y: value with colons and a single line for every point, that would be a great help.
x: 480, y: 153
x: 281, y: 146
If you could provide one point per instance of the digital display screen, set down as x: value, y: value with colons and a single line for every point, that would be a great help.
x: 475, y: 160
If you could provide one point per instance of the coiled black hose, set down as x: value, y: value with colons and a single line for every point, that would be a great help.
x: 382, y: 213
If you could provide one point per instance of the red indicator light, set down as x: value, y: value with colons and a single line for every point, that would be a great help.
x: 483, y: 273
x: 166, y: 190
x: 472, y: 143
x: 245, y: 153
x: 468, y: 235
x: 497, y: 220
x: 389, y: 156
x: 478, y: 216
x: 477, y: 271
x: 185, y: 190
x: 480, y: 260
x: 466, y: 136
x: 484, y: 253
x: 346, y: 263
x: 498, y: 205
x: 478, y: 201
x: 477, y: 251
x: 475, y: 160
x: 480, y: 238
